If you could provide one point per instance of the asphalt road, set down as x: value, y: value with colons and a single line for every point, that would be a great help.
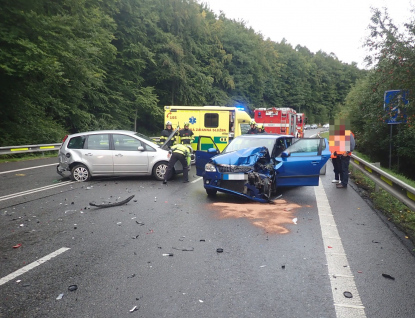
x: 294, y: 258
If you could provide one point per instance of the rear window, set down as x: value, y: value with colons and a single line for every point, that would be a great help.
x: 76, y: 142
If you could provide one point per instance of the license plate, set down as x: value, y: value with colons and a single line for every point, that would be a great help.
x: 235, y: 176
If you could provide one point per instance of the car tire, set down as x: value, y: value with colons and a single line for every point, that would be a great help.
x: 211, y: 192
x: 80, y: 173
x: 160, y: 170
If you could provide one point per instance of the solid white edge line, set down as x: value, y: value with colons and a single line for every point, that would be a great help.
x: 32, y: 265
x: 10, y: 171
x: 338, y: 263
x: 198, y: 179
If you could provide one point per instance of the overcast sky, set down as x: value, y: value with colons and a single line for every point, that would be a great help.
x: 328, y: 25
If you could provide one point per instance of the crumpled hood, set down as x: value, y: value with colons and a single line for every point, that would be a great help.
x: 243, y: 157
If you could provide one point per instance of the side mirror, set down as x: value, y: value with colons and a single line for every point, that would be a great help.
x: 140, y: 148
x: 285, y: 154
x: 212, y: 150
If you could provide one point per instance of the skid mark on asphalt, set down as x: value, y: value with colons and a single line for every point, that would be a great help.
x: 273, y: 218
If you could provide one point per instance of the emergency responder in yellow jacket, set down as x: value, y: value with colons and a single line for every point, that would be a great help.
x: 180, y: 153
x: 260, y: 129
x: 186, y: 135
x: 165, y: 134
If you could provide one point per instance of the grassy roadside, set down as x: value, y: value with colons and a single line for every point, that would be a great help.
x: 396, y: 212
x: 28, y: 156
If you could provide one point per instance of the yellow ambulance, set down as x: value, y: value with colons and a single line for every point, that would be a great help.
x: 222, y: 123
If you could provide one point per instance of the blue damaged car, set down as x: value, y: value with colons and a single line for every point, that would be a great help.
x: 253, y: 166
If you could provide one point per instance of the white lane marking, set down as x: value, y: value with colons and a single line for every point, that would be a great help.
x: 10, y: 171
x: 27, y: 268
x: 341, y: 277
x: 198, y: 179
x: 19, y: 194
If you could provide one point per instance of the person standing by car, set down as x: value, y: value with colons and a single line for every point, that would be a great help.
x: 186, y: 135
x: 253, y: 129
x: 186, y: 138
x: 345, y: 160
x: 260, y: 129
x: 335, y: 160
x: 165, y: 134
x: 180, y: 153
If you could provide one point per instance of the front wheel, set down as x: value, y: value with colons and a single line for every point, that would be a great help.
x: 160, y: 170
x: 80, y: 173
x: 211, y: 192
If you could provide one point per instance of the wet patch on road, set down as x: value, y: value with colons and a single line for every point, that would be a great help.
x: 273, y: 217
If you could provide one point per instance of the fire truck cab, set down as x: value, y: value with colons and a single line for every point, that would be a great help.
x: 277, y: 120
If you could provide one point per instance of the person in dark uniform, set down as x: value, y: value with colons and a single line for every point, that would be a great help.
x: 165, y: 134
x: 253, y: 129
x: 186, y: 135
x: 180, y: 153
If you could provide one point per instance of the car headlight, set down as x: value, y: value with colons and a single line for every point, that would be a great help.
x: 210, y: 168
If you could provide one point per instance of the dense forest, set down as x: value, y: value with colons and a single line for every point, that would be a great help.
x: 392, y: 61
x: 75, y: 65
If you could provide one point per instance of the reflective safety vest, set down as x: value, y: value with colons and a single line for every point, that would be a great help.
x: 181, y: 149
x: 166, y: 134
x: 186, y: 136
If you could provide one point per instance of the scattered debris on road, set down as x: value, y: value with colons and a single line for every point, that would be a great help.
x: 168, y: 254
x: 73, y: 287
x: 219, y: 250
x: 109, y: 205
x: 17, y: 245
x: 135, y: 308
x: 184, y: 249
x: 348, y: 294
x: 59, y: 297
x: 388, y: 276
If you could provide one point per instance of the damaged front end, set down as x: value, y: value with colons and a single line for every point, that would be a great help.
x: 247, y: 172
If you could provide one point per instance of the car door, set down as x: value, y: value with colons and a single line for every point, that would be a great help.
x: 97, y: 154
x: 129, y: 155
x: 300, y: 164
x: 206, y: 149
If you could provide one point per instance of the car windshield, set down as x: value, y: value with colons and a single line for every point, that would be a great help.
x: 246, y: 142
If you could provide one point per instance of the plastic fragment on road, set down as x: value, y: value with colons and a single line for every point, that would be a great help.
x: 348, y: 294
x: 283, y: 266
x: 134, y: 309
x: 139, y: 223
x: 119, y: 223
x: 59, y: 297
x: 262, y: 266
x: 73, y: 287
x: 295, y: 220
x: 191, y: 249
x: 388, y: 276
x: 329, y: 247
x: 168, y: 254
x: 219, y: 250
x: 109, y: 205
x: 200, y: 301
x: 17, y: 245
x: 155, y: 199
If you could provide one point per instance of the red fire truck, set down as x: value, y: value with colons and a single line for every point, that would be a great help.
x: 277, y: 120
x: 301, y: 121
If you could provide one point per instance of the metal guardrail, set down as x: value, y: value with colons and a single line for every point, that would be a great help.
x: 28, y: 148
x: 400, y: 190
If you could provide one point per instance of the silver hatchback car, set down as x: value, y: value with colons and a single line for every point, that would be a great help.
x: 111, y: 153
